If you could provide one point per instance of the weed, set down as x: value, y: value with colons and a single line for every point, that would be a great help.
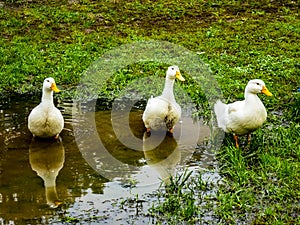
x: 178, y: 200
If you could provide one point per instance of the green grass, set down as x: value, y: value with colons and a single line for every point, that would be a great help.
x: 263, y: 180
x: 239, y: 40
x: 185, y: 199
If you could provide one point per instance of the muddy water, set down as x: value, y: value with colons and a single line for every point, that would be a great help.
x: 100, y: 160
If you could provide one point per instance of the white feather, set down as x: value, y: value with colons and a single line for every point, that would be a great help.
x: 163, y: 112
x: 45, y: 120
x: 243, y: 117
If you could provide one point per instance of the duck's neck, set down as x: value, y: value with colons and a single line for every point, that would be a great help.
x: 168, y: 90
x: 251, y: 98
x: 47, y: 97
x: 255, y: 109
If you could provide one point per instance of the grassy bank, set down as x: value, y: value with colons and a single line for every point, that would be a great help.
x: 238, y: 40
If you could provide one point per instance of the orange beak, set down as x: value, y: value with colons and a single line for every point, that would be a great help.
x: 179, y: 76
x: 54, y: 87
x: 266, y: 91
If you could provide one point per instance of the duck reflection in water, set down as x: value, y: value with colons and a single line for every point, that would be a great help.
x: 47, y: 158
x: 161, y: 154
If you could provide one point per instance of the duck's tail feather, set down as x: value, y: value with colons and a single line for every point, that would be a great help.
x: 220, y: 110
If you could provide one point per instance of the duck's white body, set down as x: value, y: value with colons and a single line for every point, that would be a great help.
x: 163, y: 111
x: 243, y: 117
x: 45, y: 120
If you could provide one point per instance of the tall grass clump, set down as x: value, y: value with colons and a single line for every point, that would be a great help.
x: 187, y: 198
x: 261, y: 177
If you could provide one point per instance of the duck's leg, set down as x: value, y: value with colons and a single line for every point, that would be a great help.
x: 170, y: 132
x: 249, y: 138
x: 57, y: 138
x: 236, y: 138
x: 57, y: 203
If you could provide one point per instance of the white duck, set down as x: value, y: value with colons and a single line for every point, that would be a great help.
x: 243, y: 117
x: 45, y: 120
x: 163, y: 111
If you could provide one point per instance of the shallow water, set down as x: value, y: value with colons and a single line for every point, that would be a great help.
x: 100, y: 160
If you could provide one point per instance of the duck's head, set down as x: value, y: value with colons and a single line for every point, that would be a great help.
x: 173, y: 72
x: 49, y: 85
x: 257, y: 86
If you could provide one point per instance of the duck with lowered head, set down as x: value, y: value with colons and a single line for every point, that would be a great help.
x: 243, y: 117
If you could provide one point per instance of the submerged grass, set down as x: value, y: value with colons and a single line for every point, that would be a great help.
x: 239, y: 40
x: 186, y: 198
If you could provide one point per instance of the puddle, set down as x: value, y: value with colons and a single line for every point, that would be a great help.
x: 91, y: 170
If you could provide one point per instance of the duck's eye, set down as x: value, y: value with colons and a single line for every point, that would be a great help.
x: 172, y: 68
x: 257, y: 83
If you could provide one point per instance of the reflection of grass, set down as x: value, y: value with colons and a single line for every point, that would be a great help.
x: 239, y: 40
